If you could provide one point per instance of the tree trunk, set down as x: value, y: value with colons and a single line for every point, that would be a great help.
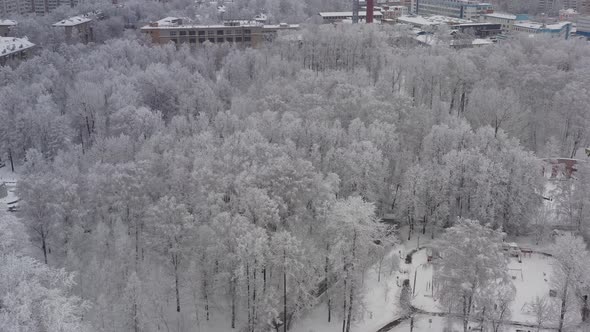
x: 465, y: 320
x: 206, y: 296
x: 350, y: 275
x: 563, y: 305
x: 326, y: 269
x: 248, y: 305
x: 44, y: 246
x: 175, y: 263
x: 284, y: 290
x: 232, y: 289
x: 11, y: 162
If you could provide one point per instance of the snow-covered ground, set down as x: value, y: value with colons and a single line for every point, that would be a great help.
x: 381, y: 297
x: 9, y: 178
x: 531, y: 278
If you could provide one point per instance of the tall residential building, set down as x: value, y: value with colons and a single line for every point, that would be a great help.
x: 466, y: 9
x: 40, y: 7
x: 9, y: 7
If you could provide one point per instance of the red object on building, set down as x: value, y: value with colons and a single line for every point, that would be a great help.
x: 370, y: 9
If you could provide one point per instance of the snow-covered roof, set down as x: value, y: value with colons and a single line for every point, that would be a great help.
x: 7, y: 23
x: 281, y: 26
x: 169, y: 21
x: 72, y: 21
x: 539, y: 26
x: 505, y: 16
x: 431, y: 20
x: 568, y: 11
x: 9, y: 45
x: 346, y: 14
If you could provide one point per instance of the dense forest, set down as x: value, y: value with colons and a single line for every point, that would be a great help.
x: 163, y: 187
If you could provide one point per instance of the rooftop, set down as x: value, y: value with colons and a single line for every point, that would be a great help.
x: 347, y: 14
x: 175, y: 23
x: 7, y: 22
x: 72, y: 21
x: 9, y: 45
x: 431, y: 20
x: 502, y: 15
x: 541, y: 26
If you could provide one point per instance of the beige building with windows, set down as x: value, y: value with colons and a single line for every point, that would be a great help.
x: 249, y: 34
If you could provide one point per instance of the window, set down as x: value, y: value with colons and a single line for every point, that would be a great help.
x: 220, y: 40
x: 201, y: 33
x: 229, y: 32
x: 192, y: 33
x: 193, y: 40
x: 212, y: 40
x: 210, y: 32
x: 172, y: 33
x: 220, y: 32
x: 229, y: 39
x: 247, y: 31
x: 182, y: 33
x: 238, y: 39
x: 247, y: 39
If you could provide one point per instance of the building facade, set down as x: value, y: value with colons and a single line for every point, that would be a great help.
x: 558, y: 30
x: 11, y: 7
x: 5, y: 26
x: 466, y: 9
x: 331, y: 17
x: 506, y: 20
x: 41, y: 7
x: 14, y: 49
x: 172, y: 30
x: 583, y: 26
x: 79, y: 26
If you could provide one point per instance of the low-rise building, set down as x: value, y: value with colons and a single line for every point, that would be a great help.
x: 331, y: 17
x: 558, y: 30
x: 422, y: 21
x: 466, y: 9
x: 507, y: 20
x: 174, y: 30
x: 569, y: 15
x: 80, y: 25
x: 5, y: 26
x: 393, y: 12
x: 14, y: 49
x: 583, y: 26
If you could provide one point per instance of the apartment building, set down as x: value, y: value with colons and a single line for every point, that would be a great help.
x: 466, y: 9
x: 5, y: 26
x: 14, y: 49
x: 78, y: 26
x: 173, y: 30
x: 41, y: 7
x: 11, y: 7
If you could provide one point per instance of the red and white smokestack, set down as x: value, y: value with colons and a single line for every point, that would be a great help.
x: 370, y: 9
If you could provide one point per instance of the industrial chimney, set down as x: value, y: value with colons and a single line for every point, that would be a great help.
x: 370, y: 9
